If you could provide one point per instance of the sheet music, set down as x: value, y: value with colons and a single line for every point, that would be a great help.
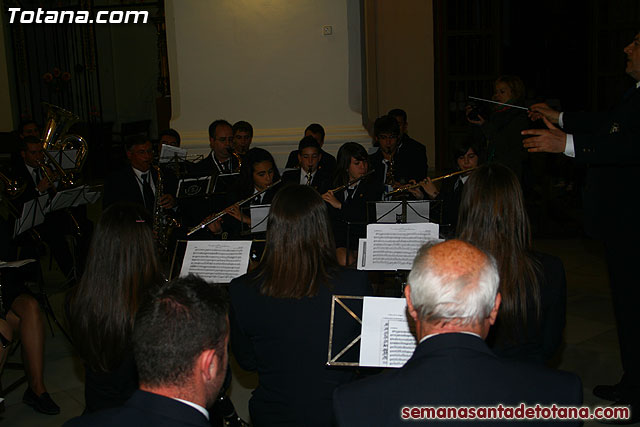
x: 65, y: 158
x: 66, y: 198
x: 394, y: 246
x: 87, y: 197
x: 169, y: 153
x: 387, y: 340
x: 192, y: 187
x: 216, y: 261
x: 33, y: 212
x: 389, y: 212
x: 259, y: 214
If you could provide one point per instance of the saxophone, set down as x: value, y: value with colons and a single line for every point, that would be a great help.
x: 238, y: 158
x: 163, y: 223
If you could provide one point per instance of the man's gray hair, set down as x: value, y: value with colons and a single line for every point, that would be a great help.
x: 440, y: 296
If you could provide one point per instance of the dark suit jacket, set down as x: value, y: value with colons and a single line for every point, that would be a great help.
x: 286, y: 341
x: 327, y: 163
x: 608, y: 143
x: 354, y: 212
x: 122, y: 186
x: 452, y: 370
x: 321, y: 182
x: 409, y: 162
x: 144, y: 409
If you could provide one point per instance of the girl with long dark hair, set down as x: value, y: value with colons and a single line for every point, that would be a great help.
x: 281, y: 311
x: 122, y: 266
x: 532, y: 284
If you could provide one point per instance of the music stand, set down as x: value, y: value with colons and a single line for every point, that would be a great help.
x: 65, y: 158
x: 189, y: 188
x: 348, y: 314
x: 259, y: 215
x: 403, y: 211
x: 33, y: 212
x: 223, y: 182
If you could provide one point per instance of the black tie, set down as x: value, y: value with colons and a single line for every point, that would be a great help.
x: 37, y: 173
x: 147, y: 192
x: 350, y: 192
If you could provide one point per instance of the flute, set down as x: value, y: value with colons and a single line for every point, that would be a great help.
x: 353, y: 181
x: 219, y: 215
x: 417, y: 184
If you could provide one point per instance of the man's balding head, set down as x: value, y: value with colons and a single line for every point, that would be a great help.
x: 454, y: 284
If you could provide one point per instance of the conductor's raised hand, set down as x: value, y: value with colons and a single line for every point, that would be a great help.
x: 550, y: 140
x: 541, y: 110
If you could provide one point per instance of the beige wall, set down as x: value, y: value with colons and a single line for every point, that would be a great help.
x: 269, y: 63
x: 6, y: 114
x: 402, y: 69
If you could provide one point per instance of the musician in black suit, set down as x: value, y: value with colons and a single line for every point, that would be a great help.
x: 405, y: 140
x: 137, y: 182
x: 395, y: 164
x: 309, y: 173
x: 180, y: 342
x: 348, y: 208
x: 453, y: 298
x: 219, y: 161
x: 608, y: 143
x: 327, y: 161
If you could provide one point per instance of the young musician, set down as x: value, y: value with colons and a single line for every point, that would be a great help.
x: 258, y: 172
x: 309, y: 156
x: 350, y: 204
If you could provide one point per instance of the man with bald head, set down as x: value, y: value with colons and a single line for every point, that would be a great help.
x: 452, y: 296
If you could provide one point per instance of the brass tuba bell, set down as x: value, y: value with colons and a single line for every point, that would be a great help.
x: 55, y: 137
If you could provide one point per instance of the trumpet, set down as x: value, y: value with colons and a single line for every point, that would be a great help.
x: 417, y: 184
x: 12, y: 187
x: 219, y: 215
x: 353, y: 181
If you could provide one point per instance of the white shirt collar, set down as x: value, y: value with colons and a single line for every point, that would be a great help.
x: 202, y: 410
x: 459, y: 332
x: 303, y: 176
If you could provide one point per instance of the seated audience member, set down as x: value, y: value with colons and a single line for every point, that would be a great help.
x: 309, y: 157
x: 467, y: 156
x: 180, y: 342
x: 137, y: 182
x: 532, y: 284
x: 350, y: 204
x: 242, y: 136
x: 24, y: 318
x: 405, y: 140
x: 169, y: 137
x: 281, y: 310
x: 327, y: 161
x: 395, y: 164
x: 122, y: 267
x: 452, y: 296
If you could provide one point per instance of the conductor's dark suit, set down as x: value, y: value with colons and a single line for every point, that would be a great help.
x: 609, y: 143
x: 452, y: 370
x: 144, y: 409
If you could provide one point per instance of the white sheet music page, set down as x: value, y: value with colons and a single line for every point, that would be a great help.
x: 387, y: 341
x: 259, y: 215
x: 216, y: 261
x: 394, y: 246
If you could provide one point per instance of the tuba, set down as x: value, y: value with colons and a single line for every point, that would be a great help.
x: 55, y: 137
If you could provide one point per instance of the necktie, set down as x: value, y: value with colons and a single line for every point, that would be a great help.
x: 147, y: 192
x: 350, y: 192
x: 36, y: 173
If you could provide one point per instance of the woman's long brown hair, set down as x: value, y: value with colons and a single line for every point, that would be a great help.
x: 493, y: 217
x: 300, y: 251
x: 121, y: 267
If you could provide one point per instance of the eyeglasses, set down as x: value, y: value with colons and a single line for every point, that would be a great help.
x: 225, y: 139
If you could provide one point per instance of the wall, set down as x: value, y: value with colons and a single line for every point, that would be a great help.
x: 400, y: 64
x: 266, y: 62
x: 6, y: 112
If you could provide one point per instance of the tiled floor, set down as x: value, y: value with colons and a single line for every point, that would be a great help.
x: 590, y: 343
